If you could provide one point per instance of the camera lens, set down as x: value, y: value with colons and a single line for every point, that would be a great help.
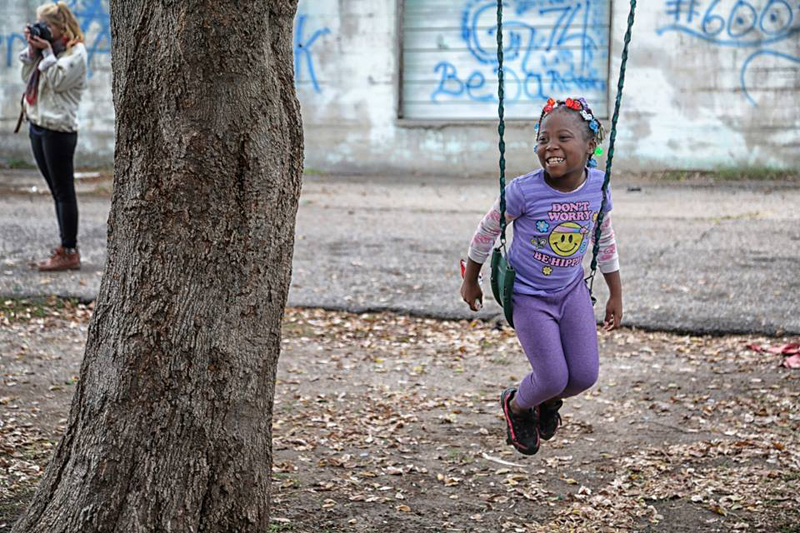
x: 41, y: 30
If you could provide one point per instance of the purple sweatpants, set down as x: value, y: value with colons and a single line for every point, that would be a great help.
x: 559, y: 335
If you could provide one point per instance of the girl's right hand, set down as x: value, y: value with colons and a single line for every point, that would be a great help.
x: 472, y: 294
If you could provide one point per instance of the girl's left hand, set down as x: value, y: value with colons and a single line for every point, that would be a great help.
x: 613, y: 314
x: 39, y: 43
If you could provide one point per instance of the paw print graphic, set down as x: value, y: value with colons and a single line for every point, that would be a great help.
x: 547, y: 271
x: 542, y: 226
x: 583, y: 247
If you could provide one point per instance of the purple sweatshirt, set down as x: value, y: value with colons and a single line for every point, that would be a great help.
x: 552, y: 232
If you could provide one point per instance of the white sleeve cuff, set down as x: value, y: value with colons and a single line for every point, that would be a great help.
x: 25, y: 58
x: 478, y: 256
x: 609, y: 266
x: 49, y: 60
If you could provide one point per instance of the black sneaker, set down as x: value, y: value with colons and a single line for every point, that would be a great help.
x: 549, y: 419
x: 521, y: 431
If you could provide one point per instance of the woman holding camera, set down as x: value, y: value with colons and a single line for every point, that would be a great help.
x: 54, y: 68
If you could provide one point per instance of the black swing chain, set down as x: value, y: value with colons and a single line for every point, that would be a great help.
x: 501, y: 127
x: 610, y: 157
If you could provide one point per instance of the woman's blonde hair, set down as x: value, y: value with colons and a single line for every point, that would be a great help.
x: 61, y: 17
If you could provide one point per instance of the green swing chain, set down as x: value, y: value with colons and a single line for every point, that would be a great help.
x: 610, y: 157
x: 501, y: 128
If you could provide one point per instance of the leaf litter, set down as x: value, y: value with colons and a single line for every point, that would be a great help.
x: 391, y: 423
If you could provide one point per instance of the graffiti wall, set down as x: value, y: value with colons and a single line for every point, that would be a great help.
x: 763, y: 30
x: 410, y: 85
x: 710, y: 83
x: 551, y: 48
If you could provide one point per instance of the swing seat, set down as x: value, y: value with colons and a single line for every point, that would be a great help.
x: 503, y: 276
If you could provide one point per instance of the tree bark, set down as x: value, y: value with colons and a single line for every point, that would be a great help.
x: 170, y: 425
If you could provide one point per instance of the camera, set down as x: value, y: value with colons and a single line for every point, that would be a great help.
x: 41, y: 30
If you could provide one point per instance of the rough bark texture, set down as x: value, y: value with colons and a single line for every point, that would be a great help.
x: 170, y: 426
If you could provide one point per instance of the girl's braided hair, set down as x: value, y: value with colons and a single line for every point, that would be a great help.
x: 594, y: 129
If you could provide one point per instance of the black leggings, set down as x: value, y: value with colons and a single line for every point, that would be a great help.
x: 54, y: 152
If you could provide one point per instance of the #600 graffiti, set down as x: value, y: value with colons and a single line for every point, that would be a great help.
x: 762, y: 26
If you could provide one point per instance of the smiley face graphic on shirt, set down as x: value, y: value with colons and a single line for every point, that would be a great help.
x: 567, y: 238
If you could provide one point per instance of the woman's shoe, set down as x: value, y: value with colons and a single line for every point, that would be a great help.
x: 62, y: 259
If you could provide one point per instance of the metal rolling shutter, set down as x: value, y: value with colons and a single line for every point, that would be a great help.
x: 553, y: 48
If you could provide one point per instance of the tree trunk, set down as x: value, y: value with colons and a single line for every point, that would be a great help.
x: 170, y: 425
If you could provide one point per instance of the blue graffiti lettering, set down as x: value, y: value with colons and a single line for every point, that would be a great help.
x: 476, y: 81
x: 710, y: 18
x: 780, y: 17
x: 754, y: 55
x: 742, y: 25
x: 683, y: 9
x: 302, y: 52
x: 10, y: 46
x: 448, y: 82
x: 743, y: 19
x: 549, y: 46
x: 534, y: 80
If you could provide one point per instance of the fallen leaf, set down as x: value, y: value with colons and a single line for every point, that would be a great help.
x: 792, y: 361
x: 718, y: 509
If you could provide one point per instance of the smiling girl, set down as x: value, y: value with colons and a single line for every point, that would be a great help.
x: 553, y: 210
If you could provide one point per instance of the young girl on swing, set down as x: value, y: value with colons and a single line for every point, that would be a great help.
x: 554, y: 210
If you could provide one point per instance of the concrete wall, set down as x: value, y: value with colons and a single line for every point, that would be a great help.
x: 710, y: 83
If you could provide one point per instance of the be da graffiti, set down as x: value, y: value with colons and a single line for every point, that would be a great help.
x: 550, y: 47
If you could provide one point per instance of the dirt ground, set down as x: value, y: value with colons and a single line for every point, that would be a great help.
x: 387, y: 423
